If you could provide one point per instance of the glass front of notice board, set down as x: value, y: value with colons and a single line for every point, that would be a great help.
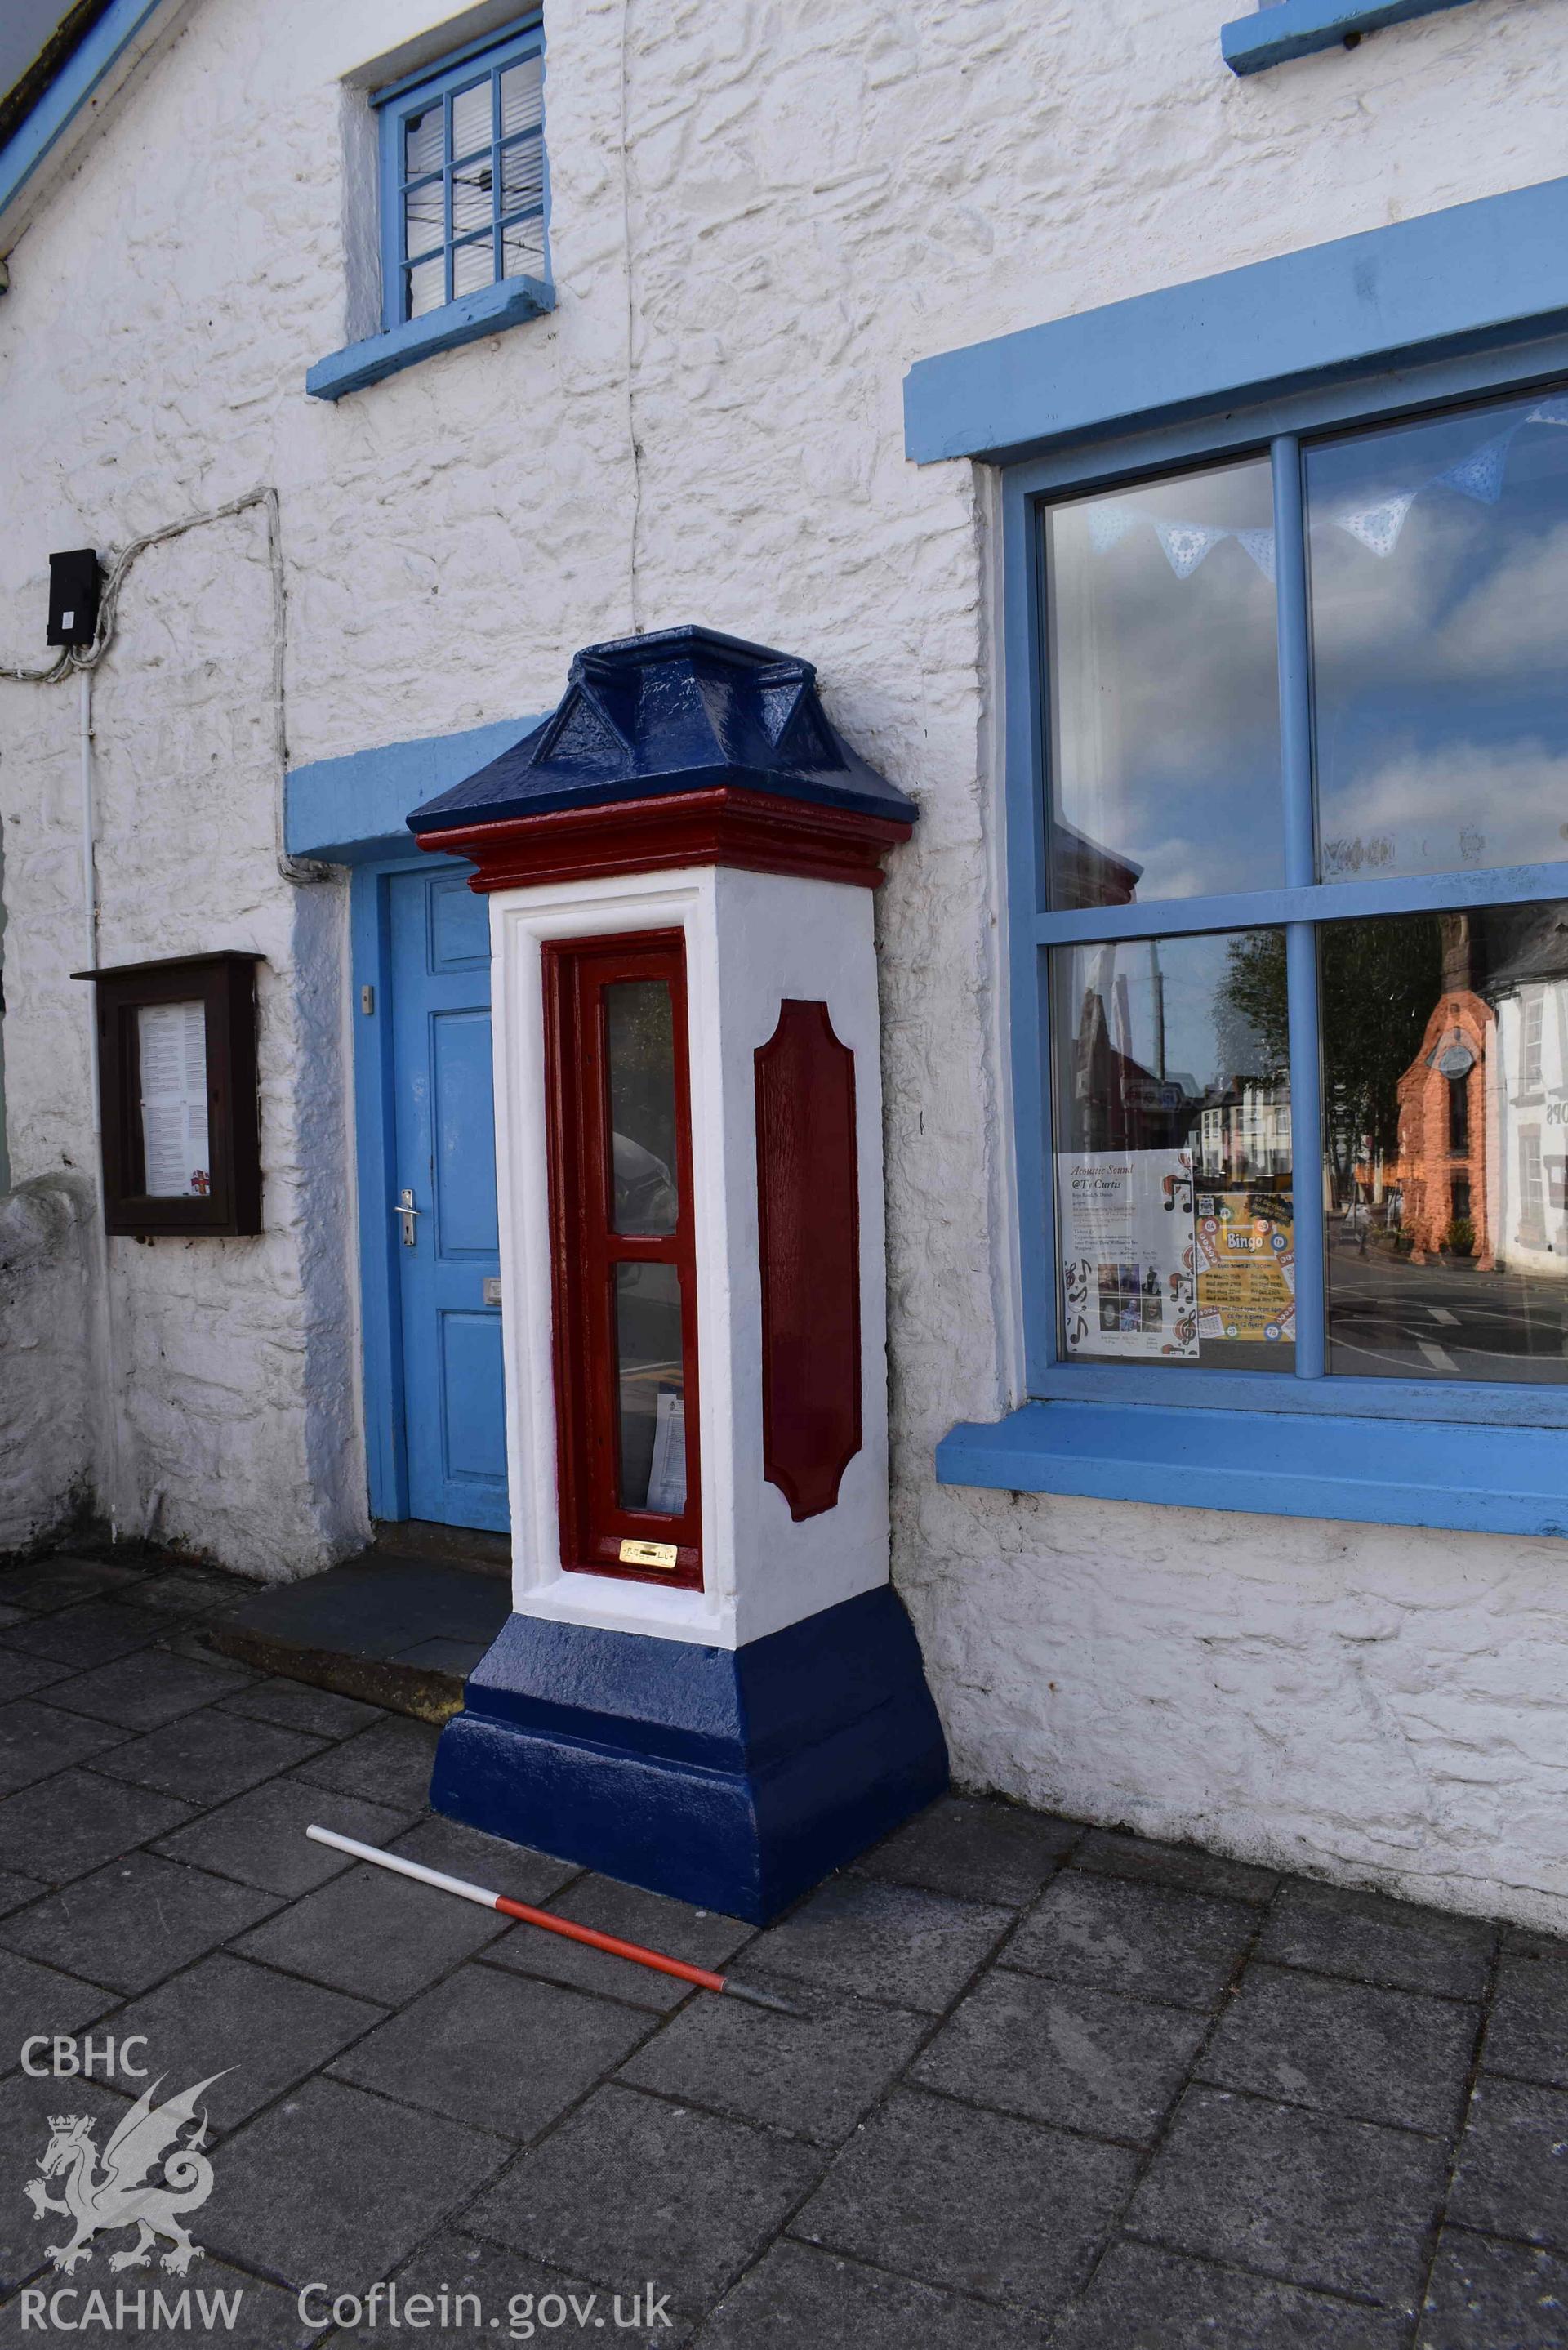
x: 1173, y: 1166
x: 171, y: 1052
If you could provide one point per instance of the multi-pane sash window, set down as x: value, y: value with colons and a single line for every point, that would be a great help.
x: 1304, y: 912
x: 462, y: 178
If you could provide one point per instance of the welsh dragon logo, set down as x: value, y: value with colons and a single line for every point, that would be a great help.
x: 124, y: 2193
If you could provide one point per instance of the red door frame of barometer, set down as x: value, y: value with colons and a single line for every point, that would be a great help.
x: 584, y: 1250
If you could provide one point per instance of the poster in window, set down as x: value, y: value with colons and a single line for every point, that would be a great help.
x: 1127, y: 1265
x: 667, y: 1472
x: 1246, y: 1269
x: 172, y: 1044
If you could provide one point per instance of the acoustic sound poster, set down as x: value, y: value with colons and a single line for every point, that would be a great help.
x: 1127, y: 1240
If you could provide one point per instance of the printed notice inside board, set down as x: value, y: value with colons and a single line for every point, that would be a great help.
x: 1246, y: 1269
x: 172, y: 1042
x: 1127, y: 1265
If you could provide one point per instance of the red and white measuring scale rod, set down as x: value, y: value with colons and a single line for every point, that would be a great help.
x: 701, y: 1976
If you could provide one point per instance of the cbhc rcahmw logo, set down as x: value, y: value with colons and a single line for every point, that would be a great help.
x: 150, y: 2174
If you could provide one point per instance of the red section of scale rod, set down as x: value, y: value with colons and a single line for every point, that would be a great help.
x: 700, y: 1976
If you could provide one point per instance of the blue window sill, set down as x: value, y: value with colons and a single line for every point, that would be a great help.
x: 1490, y: 1480
x: 487, y: 312
x: 1296, y: 28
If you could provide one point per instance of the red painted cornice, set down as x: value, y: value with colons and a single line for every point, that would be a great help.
x: 717, y: 825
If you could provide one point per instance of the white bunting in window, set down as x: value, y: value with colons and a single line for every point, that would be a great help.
x: 172, y: 1044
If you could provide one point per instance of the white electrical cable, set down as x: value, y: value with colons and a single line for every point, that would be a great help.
x: 84, y: 659
x: 95, y: 1097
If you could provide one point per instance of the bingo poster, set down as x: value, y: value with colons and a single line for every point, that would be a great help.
x: 1127, y: 1263
x: 1246, y: 1272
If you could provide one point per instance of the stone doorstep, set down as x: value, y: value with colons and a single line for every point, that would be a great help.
x: 368, y: 1630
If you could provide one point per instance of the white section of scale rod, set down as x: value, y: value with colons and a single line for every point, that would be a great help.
x: 413, y: 1868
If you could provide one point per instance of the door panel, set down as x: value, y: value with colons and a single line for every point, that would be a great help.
x: 445, y: 1154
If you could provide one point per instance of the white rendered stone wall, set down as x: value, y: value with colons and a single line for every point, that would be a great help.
x: 709, y: 427
x: 45, y: 1238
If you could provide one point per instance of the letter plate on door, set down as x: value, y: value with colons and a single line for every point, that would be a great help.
x: 492, y: 1289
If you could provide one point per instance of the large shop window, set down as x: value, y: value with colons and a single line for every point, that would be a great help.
x: 1294, y: 1073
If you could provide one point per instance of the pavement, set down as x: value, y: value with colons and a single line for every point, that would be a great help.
x: 1055, y: 2088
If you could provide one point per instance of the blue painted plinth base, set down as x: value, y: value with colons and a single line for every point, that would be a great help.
x: 735, y: 1779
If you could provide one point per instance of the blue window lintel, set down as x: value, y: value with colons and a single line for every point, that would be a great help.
x: 485, y: 312
x: 1489, y: 1479
x: 1296, y: 28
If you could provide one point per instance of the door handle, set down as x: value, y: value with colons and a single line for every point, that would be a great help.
x: 407, y: 1210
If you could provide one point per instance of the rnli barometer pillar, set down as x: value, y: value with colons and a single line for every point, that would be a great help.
x: 708, y: 1685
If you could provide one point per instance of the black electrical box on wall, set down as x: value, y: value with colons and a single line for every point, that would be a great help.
x: 74, y: 582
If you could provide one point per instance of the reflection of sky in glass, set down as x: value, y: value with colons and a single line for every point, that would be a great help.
x: 1440, y: 643
x: 1165, y: 711
x: 1163, y: 1008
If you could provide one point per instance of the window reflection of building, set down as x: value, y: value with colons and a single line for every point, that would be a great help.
x: 1085, y: 873
x: 1245, y: 1131
x: 1483, y: 1105
x: 1239, y: 1131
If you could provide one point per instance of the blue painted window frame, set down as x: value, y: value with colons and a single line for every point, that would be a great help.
x: 1278, y: 428
x: 1279, y: 30
x: 483, y: 59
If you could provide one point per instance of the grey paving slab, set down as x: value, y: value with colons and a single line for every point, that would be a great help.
x: 1064, y: 2052
x: 26, y: 2106
x: 262, y: 2032
x: 892, y: 1942
x: 336, y: 2185
x: 1342, y: 2205
x: 1346, y: 2048
x: 978, y: 1848
x: 60, y: 1827
x: 1143, y: 2298
x: 133, y: 1923
x: 20, y: 1675
x: 37, y: 1740
x: 1113, y: 1852
x: 89, y: 1635
x: 61, y: 1582
x: 208, y: 1756
x: 292, y: 1706
x: 1142, y: 1940
x: 1527, y: 1942
x: 699, y: 1936
x: 474, y: 2281
x: 1512, y: 2173
x: 186, y: 1593
x: 368, y: 1932
x: 1488, y: 2295
x: 144, y: 1690
x: 35, y: 1998
x: 260, y: 1836
x: 1371, y: 1940
x: 649, y: 2216
x: 797, y: 2298
x: 213, y: 2303
x: 815, y: 2072
x: 1527, y: 2031
x: 977, y: 2202
x: 390, y: 1762
x: 515, y: 1869
x: 500, y: 2051
x: 16, y: 1892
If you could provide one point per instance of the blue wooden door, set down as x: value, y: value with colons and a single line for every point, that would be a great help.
x: 444, y: 1164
